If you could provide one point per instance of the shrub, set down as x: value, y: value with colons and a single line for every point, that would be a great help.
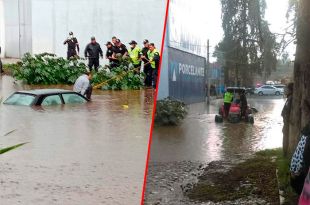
x: 47, y: 69
x: 118, y: 79
x: 169, y: 112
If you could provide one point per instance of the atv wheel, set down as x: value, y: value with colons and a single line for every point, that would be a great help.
x: 221, y: 112
x: 250, y: 119
x: 218, y: 118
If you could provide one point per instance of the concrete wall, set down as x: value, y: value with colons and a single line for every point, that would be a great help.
x: 185, y: 28
x: 131, y: 19
x: 17, y: 26
x: 2, y: 33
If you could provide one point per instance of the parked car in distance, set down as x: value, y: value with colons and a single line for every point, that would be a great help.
x: 268, y: 90
x: 281, y: 87
x: 250, y: 90
x: 45, y: 97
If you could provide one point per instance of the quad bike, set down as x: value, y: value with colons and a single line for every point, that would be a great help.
x: 234, y: 115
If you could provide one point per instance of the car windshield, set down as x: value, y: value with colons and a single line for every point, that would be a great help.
x: 20, y: 99
x: 72, y: 98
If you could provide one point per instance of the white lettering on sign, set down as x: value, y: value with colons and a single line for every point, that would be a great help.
x: 174, y: 77
x: 186, y: 69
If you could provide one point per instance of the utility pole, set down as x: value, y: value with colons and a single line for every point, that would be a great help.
x: 208, y: 71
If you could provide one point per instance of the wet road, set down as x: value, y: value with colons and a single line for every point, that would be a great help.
x: 83, y: 154
x: 178, y: 152
x: 199, y: 138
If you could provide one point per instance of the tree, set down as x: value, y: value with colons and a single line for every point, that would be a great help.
x: 300, y: 111
x: 248, y: 45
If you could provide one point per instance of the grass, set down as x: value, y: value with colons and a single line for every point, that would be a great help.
x: 282, y: 165
x: 255, y: 177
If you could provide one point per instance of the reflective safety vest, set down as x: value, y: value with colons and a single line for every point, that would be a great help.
x: 151, y: 55
x: 134, y: 55
x: 228, y: 97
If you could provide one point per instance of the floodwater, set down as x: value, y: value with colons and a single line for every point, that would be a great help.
x: 178, y: 152
x: 199, y: 138
x: 83, y: 154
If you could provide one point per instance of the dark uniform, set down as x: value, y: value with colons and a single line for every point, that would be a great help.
x: 122, y: 49
x: 73, y: 46
x: 108, y: 55
x: 119, y: 50
x: 154, y: 59
x: 147, y: 69
x: 92, y: 52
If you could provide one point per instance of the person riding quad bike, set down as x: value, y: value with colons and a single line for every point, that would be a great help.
x: 238, y: 109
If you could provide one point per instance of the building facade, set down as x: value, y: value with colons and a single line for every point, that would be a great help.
x: 183, y: 73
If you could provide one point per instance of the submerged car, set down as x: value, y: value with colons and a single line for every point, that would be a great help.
x: 269, y: 90
x: 234, y: 114
x: 45, y: 97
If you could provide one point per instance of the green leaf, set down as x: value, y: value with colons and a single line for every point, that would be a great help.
x: 2, y: 151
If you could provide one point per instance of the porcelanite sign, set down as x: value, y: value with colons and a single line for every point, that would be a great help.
x: 186, y: 76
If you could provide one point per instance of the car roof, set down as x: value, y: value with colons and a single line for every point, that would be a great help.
x: 45, y: 91
x: 235, y: 88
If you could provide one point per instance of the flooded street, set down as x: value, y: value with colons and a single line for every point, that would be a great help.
x: 82, y: 154
x: 178, y: 153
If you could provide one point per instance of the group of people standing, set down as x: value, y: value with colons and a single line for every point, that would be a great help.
x: 148, y: 55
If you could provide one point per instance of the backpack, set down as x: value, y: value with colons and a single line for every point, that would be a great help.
x: 298, y: 159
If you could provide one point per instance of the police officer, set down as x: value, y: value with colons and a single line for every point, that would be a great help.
x: 109, y: 55
x: 114, y: 39
x: 154, y: 60
x: 135, y: 53
x: 73, y: 46
x: 92, y: 52
x: 120, y: 48
x: 147, y: 69
x: 228, y: 98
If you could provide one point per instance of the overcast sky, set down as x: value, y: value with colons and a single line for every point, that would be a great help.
x: 211, y: 27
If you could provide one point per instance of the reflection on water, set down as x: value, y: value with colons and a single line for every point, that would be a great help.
x: 199, y: 138
x: 79, y: 154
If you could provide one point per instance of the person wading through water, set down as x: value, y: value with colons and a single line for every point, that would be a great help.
x: 82, y: 85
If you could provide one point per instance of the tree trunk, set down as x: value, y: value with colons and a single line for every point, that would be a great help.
x: 300, y: 111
